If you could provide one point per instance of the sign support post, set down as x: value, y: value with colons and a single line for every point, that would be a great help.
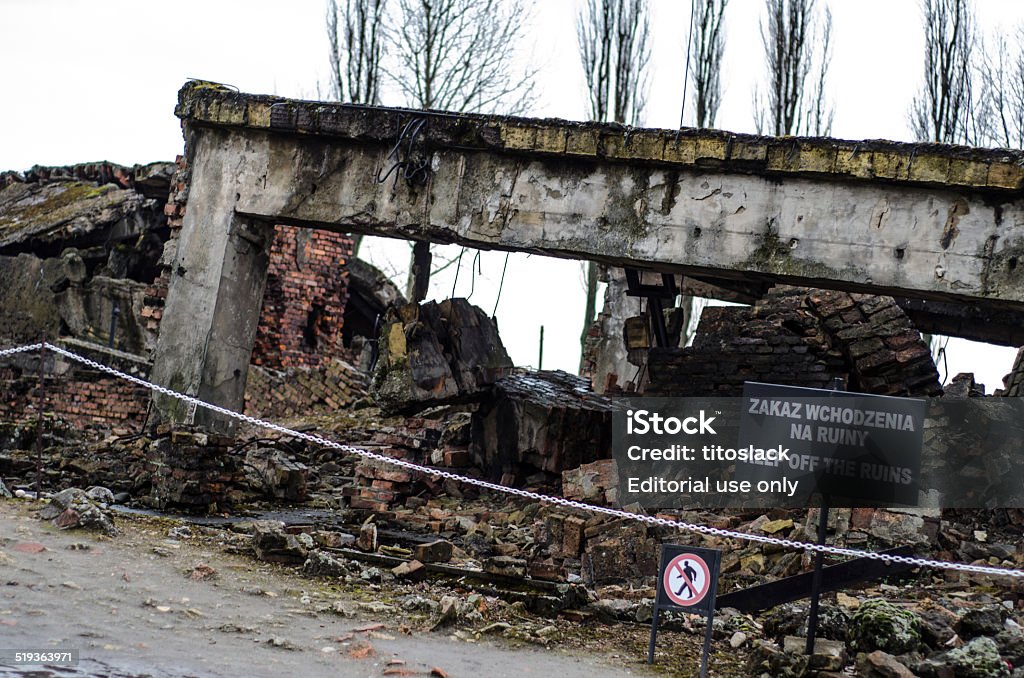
x: 819, y: 556
x: 687, y: 581
x: 654, y: 634
x: 706, y: 650
x: 819, y: 562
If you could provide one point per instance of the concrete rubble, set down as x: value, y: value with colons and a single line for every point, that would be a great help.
x: 424, y: 536
x: 436, y: 353
x: 384, y: 526
x: 76, y: 508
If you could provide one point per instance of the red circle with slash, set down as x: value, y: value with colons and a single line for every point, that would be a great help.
x: 686, y: 574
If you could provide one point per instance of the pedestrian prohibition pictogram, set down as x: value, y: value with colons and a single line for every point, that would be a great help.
x: 687, y: 580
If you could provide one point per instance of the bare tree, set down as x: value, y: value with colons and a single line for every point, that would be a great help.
x: 707, y: 48
x: 613, y: 39
x: 999, y: 111
x: 355, y: 32
x: 461, y: 55
x: 796, y: 43
x: 941, y: 111
x: 614, y: 51
x: 612, y: 36
x: 706, y: 60
x: 819, y: 113
x: 458, y: 55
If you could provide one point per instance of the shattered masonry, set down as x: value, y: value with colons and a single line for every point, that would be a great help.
x: 86, y: 236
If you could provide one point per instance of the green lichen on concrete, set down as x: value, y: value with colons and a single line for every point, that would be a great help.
x: 393, y: 359
x: 978, y: 659
x: 174, y: 409
x: 60, y: 198
x: 625, y: 220
x: 879, y: 625
x: 775, y: 255
x: 770, y: 251
x: 196, y: 85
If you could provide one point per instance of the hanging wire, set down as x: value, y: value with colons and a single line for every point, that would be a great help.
x: 403, y: 153
x: 501, y: 284
x: 941, y: 353
x: 473, y: 270
x: 458, y: 267
x: 686, y: 72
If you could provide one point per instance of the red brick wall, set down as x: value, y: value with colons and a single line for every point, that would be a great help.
x: 799, y: 337
x: 174, y: 210
x: 79, y: 397
x: 304, y: 302
x: 276, y: 394
x: 89, y: 398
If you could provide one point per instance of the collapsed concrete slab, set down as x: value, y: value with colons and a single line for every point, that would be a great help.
x: 79, y: 246
x: 540, y: 421
x: 436, y: 353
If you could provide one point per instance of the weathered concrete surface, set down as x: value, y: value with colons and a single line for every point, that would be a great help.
x: 915, y: 221
x: 434, y: 353
x: 213, y: 302
x: 919, y: 220
x: 609, y: 352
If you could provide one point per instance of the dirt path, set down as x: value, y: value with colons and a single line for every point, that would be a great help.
x: 130, y: 608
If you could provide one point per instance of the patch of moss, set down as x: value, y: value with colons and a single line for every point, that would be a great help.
x: 879, y: 625
x: 72, y: 192
x: 773, y: 255
x: 978, y: 659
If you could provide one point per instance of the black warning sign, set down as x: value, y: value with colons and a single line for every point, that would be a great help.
x: 857, y: 449
x: 688, y: 578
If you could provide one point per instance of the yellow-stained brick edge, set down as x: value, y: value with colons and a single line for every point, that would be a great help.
x: 892, y: 165
x: 929, y: 168
x: 581, y: 142
x: 1005, y: 175
x: 681, y: 150
x: 932, y: 164
x: 550, y: 140
x: 518, y: 137
x: 855, y: 162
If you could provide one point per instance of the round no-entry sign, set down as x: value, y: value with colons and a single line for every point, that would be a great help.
x: 686, y: 580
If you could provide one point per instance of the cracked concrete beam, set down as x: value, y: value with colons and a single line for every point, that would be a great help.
x: 913, y: 220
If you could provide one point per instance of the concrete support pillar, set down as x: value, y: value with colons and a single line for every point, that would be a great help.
x: 611, y: 352
x: 215, y: 295
x: 419, y: 276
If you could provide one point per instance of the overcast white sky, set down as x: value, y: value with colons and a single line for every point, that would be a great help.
x: 85, y: 80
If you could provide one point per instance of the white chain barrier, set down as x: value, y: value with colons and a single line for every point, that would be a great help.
x: 559, y: 501
x: 20, y: 349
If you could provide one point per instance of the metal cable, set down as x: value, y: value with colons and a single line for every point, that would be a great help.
x: 526, y: 494
x: 402, y: 157
x: 686, y: 70
x: 501, y: 284
x: 458, y: 267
